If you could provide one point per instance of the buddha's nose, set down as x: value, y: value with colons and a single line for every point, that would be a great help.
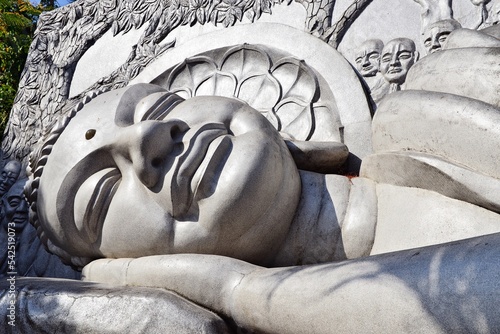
x: 150, y: 146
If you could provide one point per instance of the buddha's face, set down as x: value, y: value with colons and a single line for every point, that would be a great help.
x: 367, y: 57
x: 436, y: 35
x: 131, y: 176
x: 398, y: 57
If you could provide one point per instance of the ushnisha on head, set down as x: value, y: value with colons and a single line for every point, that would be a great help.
x: 139, y: 171
x: 398, y: 56
x: 436, y: 34
x: 367, y: 57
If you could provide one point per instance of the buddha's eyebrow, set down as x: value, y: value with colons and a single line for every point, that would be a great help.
x: 162, y: 107
x: 125, y: 110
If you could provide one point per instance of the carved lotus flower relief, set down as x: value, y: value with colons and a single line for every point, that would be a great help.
x: 284, y: 90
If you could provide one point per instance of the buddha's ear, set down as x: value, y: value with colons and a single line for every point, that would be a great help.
x: 417, y: 56
x: 321, y: 157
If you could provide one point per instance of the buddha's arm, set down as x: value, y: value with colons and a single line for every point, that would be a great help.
x: 445, y: 288
x: 206, y: 279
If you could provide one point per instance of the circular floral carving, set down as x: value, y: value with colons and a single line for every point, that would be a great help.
x: 283, y: 88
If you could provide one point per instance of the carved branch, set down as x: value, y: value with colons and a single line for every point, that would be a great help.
x: 434, y: 10
x: 319, y: 15
x: 335, y: 33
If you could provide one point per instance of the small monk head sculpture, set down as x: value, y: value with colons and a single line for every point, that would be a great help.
x: 436, y: 34
x: 398, y: 56
x: 162, y: 175
x: 367, y: 57
x: 15, y: 207
x: 9, y: 175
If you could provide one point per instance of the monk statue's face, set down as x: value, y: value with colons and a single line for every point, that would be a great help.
x: 398, y: 57
x: 367, y: 57
x: 139, y: 171
x: 15, y: 207
x: 9, y: 175
x: 436, y: 34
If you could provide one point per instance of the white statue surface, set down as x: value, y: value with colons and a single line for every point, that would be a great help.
x: 247, y: 177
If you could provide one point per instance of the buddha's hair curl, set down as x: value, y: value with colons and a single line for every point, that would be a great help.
x: 37, y: 161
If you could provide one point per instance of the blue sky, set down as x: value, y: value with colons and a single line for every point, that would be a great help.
x: 60, y: 2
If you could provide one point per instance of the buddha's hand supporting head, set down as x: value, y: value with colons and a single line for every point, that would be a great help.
x: 139, y: 171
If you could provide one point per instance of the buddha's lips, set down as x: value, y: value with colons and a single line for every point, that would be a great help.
x: 183, y: 187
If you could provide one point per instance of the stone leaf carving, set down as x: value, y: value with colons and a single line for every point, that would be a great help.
x: 64, y: 35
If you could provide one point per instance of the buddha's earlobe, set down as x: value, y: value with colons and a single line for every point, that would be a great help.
x: 321, y: 157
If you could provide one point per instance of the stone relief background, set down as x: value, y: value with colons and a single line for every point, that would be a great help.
x: 54, y: 81
x: 70, y: 34
x: 65, y: 35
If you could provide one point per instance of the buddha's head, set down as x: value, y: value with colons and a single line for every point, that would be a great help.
x: 398, y: 56
x: 140, y: 171
x: 367, y: 57
x: 436, y: 34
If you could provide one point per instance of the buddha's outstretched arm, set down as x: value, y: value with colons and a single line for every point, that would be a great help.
x: 206, y: 279
x: 448, y: 288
